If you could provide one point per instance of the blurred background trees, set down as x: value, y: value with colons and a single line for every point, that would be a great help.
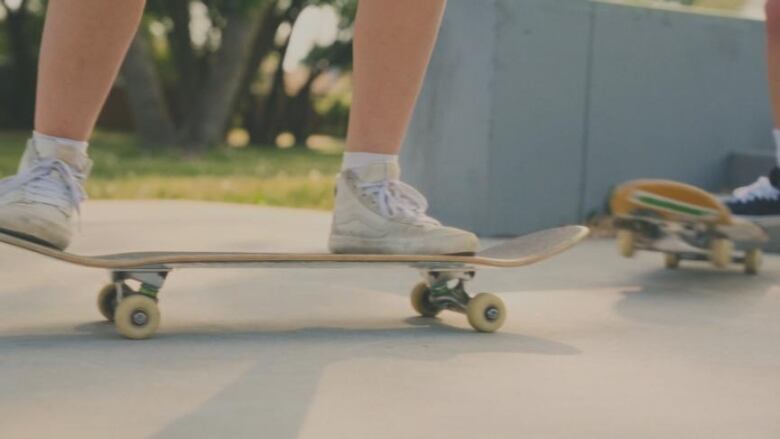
x: 204, y: 72
x: 210, y: 92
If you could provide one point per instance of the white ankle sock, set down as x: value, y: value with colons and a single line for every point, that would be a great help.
x: 354, y: 160
x: 46, y: 144
x: 776, y: 135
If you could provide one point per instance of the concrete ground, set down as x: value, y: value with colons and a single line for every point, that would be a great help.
x: 594, y: 346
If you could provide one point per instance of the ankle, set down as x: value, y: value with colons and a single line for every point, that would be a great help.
x: 72, y: 152
x: 46, y: 143
x: 354, y: 160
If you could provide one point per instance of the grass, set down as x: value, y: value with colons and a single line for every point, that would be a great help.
x: 275, y: 177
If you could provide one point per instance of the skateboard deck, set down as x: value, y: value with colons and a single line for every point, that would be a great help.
x: 685, y: 223
x: 135, y: 313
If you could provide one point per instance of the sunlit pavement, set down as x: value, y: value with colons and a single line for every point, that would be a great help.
x: 595, y: 345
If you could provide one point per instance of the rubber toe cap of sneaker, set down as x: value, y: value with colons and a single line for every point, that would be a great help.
x: 39, y: 221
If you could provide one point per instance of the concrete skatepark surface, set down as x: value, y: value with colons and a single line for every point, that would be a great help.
x: 594, y: 345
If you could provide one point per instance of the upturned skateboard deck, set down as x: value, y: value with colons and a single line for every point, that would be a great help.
x: 684, y: 223
x: 135, y: 313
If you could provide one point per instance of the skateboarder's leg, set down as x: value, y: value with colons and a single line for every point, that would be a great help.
x: 773, y: 61
x: 83, y: 44
x: 375, y: 212
x: 393, y: 43
x: 761, y: 199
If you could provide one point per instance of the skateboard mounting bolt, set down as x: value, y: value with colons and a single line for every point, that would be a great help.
x: 140, y: 318
x: 492, y: 313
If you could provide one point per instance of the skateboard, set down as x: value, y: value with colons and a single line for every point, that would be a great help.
x: 136, y: 315
x: 684, y: 223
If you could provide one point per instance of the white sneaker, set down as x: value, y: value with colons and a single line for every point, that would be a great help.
x: 39, y: 202
x: 377, y: 213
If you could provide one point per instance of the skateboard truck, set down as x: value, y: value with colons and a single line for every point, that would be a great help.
x: 134, y: 312
x: 151, y: 282
x: 446, y: 290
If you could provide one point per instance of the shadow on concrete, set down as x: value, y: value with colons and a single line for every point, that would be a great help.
x: 694, y: 296
x: 276, y: 392
x: 428, y: 332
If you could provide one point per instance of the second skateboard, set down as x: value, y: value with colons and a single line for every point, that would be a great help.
x: 684, y: 223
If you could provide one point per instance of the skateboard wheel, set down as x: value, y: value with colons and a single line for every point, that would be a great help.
x: 421, y: 301
x: 721, y: 252
x: 137, y: 317
x: 754, y: 258
x: 486, y: 312
x: 106, y: 300
x: 625, y: 242
x: 671, y: 260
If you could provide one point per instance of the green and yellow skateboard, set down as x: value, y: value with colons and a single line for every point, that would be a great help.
x: 684, y: 223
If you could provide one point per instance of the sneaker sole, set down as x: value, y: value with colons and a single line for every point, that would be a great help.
x: 29, y: 238
x: 352, y: 245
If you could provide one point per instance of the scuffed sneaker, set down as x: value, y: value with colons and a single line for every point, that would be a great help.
x: 760, y: 201
x: 376, y: 213
x: 39, y: 202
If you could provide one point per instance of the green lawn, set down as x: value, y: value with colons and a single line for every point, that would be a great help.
x: 291, y: 177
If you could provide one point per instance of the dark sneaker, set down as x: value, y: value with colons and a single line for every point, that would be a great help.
x: 759, y: 201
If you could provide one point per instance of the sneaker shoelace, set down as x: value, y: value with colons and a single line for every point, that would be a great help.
x: 762, y: 189
x: 396, y: 199
x: 41, y: 183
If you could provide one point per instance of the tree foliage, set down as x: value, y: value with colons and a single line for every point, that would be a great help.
x: 19, y: 41
x: 196, y: 68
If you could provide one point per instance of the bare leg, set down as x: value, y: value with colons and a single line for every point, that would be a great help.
x: 393, y: 44
x: 773, y: 55
x: 374, y: 211
x: 84, y: 42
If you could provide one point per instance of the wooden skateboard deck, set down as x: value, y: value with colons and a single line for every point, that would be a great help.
x: 683, y: 222
x: 136, y: 315
x: 517, y: 252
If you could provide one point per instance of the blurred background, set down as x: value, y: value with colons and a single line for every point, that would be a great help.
x: 243, y: 101
x: 248, y: 100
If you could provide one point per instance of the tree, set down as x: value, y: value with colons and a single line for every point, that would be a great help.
x: 205, y: 78
x: 266, y: 116
x: 190, y: 73
x: 300, y: 111
x: 22, y: 27
x: 153, y: 122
